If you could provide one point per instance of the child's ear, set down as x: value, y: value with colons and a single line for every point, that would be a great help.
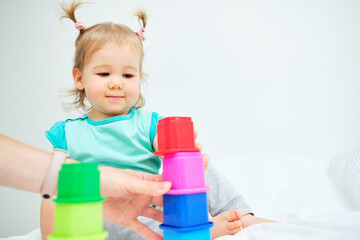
x: 77, y: 76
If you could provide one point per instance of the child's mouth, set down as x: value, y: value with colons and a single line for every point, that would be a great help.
x: 115, y: 97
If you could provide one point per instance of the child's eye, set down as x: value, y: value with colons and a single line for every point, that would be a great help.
x: 104, y: 74
x: 128, y: 75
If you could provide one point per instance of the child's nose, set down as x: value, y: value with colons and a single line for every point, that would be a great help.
x: 116, y: 84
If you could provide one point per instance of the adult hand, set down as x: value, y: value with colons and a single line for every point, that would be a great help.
x: 129, y: 195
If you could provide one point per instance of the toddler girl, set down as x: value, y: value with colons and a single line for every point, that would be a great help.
x: 115, y: 131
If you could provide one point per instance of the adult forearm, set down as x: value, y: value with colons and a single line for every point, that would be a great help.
x: 22, y: 166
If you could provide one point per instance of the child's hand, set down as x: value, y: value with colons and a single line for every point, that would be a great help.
x: 227, y: 223
x: 204, y: 155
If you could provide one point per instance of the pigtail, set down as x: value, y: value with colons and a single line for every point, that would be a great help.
x: 142, y: 17
x: 69, y: 12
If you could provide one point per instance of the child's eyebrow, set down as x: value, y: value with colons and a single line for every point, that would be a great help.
x: 100, y: 66
x: 131, y: 67
x: 109, y: 66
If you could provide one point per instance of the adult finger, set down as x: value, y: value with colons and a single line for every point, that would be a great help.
x: 144, y: 175
x: 158, y: 201
x: 145, y: 187
x: 119, y: 182
x: 143, y: 230
x: 154, y: 213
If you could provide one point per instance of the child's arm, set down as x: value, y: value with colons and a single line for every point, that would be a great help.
x: 249, y: 220
x: 155, y: 143
x: 223, y: 196
x: 46, y: 217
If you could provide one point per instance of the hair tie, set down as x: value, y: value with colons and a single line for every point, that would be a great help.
x: 80, y: 25
x: 141, y: 34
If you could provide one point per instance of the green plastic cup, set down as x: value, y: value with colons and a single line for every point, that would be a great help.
x: 90, y: 237
x: 79, y: 208
x: 79, y: 183
x: 80, y: 220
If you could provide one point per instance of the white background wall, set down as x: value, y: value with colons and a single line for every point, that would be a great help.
x: 256, y: 76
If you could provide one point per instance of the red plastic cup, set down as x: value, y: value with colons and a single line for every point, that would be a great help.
x: 175, y: 134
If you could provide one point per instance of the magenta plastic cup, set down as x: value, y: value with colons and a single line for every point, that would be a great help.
x: 185, y: 170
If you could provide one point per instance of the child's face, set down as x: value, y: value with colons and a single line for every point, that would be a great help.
x: 111, y: 78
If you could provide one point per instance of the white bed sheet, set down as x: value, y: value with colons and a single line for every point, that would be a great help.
x: 34, y: 235
x: 338, y: 226
x: 297, y: 192
x: 281, y: 186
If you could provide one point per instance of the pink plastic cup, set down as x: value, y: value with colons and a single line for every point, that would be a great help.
x: 175, y: 134
x: 185, y: 170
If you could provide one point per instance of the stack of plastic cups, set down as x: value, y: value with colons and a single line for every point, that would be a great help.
x: 185, y: 205
x: 79, y: 209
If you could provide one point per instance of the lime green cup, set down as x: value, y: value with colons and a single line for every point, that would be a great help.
x: 79, y: 208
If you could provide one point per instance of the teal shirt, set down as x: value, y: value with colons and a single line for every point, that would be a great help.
x: 124, y: 142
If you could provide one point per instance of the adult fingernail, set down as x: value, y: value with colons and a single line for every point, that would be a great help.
x: 165, y: 185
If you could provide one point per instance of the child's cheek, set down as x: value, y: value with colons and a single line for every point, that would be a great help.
x: 94, y: 93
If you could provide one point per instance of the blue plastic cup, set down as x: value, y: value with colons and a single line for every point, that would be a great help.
x: 185, y: 210
x: 200, y: 232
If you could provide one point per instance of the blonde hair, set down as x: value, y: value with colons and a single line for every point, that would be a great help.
x: 92, y: 38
